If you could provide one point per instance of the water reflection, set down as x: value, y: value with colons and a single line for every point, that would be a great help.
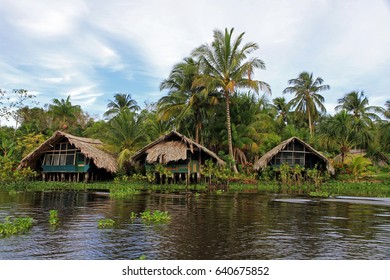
x: 234, y: 226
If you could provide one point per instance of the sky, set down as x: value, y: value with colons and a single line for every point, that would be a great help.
x: 94, y: 49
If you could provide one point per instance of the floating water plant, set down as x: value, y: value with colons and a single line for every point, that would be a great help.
x: 157, y: 216
x: 106, y: 223
x: 53, y: 219
x: 133, y: 216
x: 15, y: 226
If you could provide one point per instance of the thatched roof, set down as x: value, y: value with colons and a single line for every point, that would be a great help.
x: 91, y: 148
x: 172, y: 147
x: 265, y: 159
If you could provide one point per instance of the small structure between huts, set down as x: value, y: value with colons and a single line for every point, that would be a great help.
x: 294, y: 151
x: 178, y: 154
x: 64, y: 157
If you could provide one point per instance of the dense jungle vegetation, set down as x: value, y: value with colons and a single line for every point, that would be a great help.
x: 212, y: 97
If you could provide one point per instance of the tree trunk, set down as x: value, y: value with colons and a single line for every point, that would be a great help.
x: 309, y: 117
x: 229, y: 129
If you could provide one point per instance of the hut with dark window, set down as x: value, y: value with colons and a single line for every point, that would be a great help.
x: 64, y: 157
x: 178, y: 154
x: 294, y: 151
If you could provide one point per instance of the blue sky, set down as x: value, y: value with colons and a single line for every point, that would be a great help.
x: 94, y: 49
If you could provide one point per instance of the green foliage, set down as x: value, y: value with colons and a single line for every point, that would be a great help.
x: 106, y: 223
x: 10, y: 175
x: 316, y: 177
x: 156, y: 217
x: 123, y: 191
x: 322, y: 194
x: 15, y: 226
x: 133, y: 216
x: 53, y: 217
x: 359, y: 165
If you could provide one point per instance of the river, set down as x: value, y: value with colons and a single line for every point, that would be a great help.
x: 210, y: 226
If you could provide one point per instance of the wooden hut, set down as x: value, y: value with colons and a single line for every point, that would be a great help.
x: 294, y: 151
x: 178, y: 154
x: 64, y: 157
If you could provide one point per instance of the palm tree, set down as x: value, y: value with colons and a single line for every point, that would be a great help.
x: 125, y: 135
x: 307, y: 99
x: 339, y: 132
x: 224, y: 67
x: 387, y: 111
x: 183, y: 99
x: 357, y: 103
x: 63, y: 112
x: 336, y: 132
x: 282, y: 108
x: 120, y: 102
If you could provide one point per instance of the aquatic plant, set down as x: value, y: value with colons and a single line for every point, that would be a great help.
x: 15, y: 226
x: 121, y: 192
x: 53, y: 218
x: 133, y: 216
x: 106, y: 223
x: 219, y: 191
x: 157, y: 216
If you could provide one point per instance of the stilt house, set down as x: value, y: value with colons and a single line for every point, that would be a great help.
x: 178, y: 154
x: 64, y: 157
x: 294, y: 151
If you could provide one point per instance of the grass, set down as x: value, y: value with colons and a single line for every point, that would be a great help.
x: 15, y: 226
x: 377, y: 185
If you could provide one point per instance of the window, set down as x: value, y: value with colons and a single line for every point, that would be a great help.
x: 48, y: 159
x: 80, y: 159
x: 70, y: 159
x: 56, y: 159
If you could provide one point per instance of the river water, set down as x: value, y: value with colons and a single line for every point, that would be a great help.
x: 211, y: 226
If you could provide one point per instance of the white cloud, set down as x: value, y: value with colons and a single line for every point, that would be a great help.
x: 59, y: 48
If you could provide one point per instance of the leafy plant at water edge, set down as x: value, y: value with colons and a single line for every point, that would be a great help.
x: 15, y: 226
x: 106, y: 223
x: 121, y: 192
x: 319, y: 194
x: 359, y: 165
x: 53, y: 218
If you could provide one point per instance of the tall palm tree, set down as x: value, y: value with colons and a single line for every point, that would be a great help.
x: 125, y: 135
x: 282, y: 108
x: 357, y: 104
x: 336, y: 132
x: 183, y: 99
x: 307, y: 99
x: 225, y: 66
x: 63, y: 112
x: 387, y: 111
x: 120, y: 102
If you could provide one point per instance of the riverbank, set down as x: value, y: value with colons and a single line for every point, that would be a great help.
x: 374, y: 188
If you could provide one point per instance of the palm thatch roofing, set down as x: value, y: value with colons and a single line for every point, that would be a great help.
x: 91, y: 148
x: 170, y: 148
x: 262, y: 163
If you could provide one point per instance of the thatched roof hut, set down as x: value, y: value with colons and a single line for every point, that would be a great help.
x: 66, y: 149
x: 294, y: 151
x: 172, y: 147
